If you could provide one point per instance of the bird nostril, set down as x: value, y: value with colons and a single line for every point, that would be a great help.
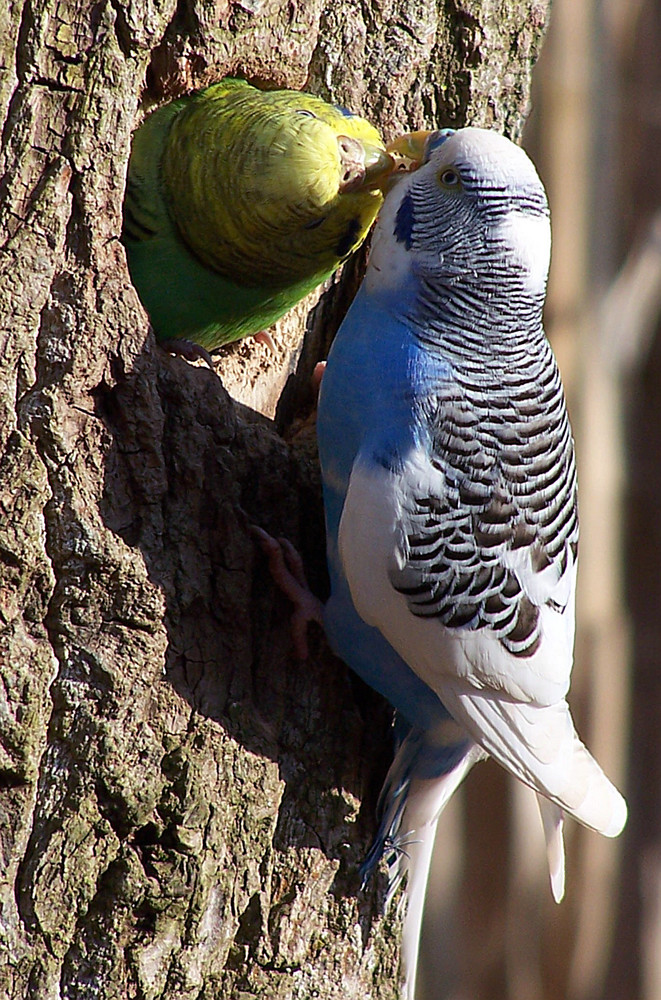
x: 348, y: 146
x: 352, y: 162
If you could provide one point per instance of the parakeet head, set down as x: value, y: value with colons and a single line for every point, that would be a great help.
x: 272, y: 186
x: 475, y: 211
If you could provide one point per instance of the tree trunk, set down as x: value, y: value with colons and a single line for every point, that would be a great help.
x: 184, y: 806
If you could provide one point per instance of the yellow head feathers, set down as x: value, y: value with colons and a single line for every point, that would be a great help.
x: 271, y: 187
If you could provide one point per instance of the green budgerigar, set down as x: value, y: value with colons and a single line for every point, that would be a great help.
x: 239, y: 202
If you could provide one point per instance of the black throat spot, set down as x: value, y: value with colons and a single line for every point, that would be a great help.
x: 404, y: 222
x: 348, y: 239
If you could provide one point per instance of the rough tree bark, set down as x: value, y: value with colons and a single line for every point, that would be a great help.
x: 183, y: 806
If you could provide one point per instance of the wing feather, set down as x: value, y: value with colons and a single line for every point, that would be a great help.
x: 538, y: 744
x: 493, y: 537
x: 512, y: 706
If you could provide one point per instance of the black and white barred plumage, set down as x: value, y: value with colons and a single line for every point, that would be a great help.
x: 450, y: 487
x: 504, y: 448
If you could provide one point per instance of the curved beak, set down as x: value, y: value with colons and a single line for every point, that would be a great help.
x: 363, y: 165
x: 378, y: 165
x: 408, y: 151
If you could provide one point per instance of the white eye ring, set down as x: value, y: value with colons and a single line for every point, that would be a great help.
x: 450, y: 178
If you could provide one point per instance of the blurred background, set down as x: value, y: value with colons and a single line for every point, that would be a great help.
x: 492, y: 930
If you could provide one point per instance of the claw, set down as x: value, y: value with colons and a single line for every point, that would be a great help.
x: 264, y: 337
x: 287, y: 570
x: 188, y: 350
x: 317, y: 375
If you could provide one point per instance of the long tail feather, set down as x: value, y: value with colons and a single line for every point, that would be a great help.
x: 553, y: 821
x: 418, y: 786
x: 426, y: 800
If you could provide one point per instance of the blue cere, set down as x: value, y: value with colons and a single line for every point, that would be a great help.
x: 344, y: 111
x: 437, y: 139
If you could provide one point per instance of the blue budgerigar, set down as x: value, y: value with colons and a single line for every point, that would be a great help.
x: 450, y: 491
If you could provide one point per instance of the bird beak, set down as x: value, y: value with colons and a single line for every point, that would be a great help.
x: 408, y: 151
x: 378, y: 165
x: 363, y: 165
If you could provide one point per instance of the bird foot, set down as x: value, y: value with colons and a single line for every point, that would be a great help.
x: 286, y: 568
x: 188, y: 350
x: 317, y: 375
x: 264, y: 337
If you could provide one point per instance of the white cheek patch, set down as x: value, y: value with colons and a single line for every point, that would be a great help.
x: 528, y: 238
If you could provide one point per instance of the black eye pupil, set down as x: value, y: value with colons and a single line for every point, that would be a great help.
x: 450, y: 177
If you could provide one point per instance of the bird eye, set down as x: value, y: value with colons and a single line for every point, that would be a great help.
x: 450, y: 178
x: 305, y: 113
